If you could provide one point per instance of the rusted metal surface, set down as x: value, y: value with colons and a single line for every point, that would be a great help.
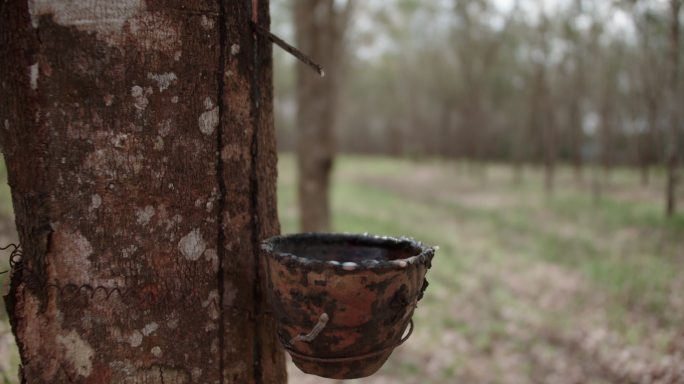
x: 343, y: 302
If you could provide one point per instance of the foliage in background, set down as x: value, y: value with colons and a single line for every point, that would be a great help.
x: 525, y: 81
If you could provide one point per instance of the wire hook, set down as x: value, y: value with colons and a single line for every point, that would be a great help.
x: 322, y: 322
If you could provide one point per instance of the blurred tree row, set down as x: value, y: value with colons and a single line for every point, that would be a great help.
x: 320, y: 27
x: 519, y: 81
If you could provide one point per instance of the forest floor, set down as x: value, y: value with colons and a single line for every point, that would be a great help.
x: 525, y: 288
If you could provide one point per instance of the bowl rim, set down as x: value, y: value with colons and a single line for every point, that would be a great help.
x: 424, y: 256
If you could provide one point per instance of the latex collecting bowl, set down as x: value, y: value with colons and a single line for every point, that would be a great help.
x: 343, y: 302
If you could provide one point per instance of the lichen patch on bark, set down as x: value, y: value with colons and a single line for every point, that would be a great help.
x: 211, y: 256
x: 95, y: 202
x: 140, y: 97
x: 159, y: 144
x: 172, y: 321
x: 33, y: 76
x: 209, y: 119
x: 104, y: 17
x: 212, y: 303
x: 192, y: 245
x: 143, y: 216
x: 135, y: 339
x: 165, y: 127
x: 155, y: 31
x: 207, y: 22
x: 150, y: 328
x: 196, y: 373
x: 77, y: 352
x: 164, y: 80
x: 69, y: 256
x: 156, y: 351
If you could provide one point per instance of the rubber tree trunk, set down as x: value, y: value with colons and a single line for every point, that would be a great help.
x: 576, y: 112
x: 577, y: 94
x: 320, y: 27
x: 576, y: 138
x: 548, y: 124
x: 647, y: 141
x: 674, y: 103
x: 607, y: 132
x: 140, y: 149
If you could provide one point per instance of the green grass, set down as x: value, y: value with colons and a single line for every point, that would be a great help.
x: 6, y: 212
x: 493, y: 234
x: 625, y: 249
x: 639, y: 268
x: 5, y: 194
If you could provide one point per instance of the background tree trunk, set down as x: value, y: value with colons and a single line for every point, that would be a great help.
x: 140, y: 150
x: 549, y: 138
x: 607, y: 132
x: 545, y: 125
x: 648, y: 140
x: 576, y: 113
x: 320, y: 26
x: 675, y: 105
x: 577, y: 96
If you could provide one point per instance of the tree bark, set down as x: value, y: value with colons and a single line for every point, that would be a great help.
x: 674, y: 103
x: 575, y: 118
x: 647, y: 140
x: 577, y: 94
x: 548, y: 130
x: 140, y: 150
x: 607, y: 129
x: 320, y: 27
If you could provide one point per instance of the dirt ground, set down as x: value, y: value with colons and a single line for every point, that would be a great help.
x: 526, y: 287
x: 498, y: 309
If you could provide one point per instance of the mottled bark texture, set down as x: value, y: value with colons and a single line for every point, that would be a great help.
x: 320, y: 26
x: 139, y: 143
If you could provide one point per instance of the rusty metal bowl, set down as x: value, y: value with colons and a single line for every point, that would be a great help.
x: 343, y: 302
